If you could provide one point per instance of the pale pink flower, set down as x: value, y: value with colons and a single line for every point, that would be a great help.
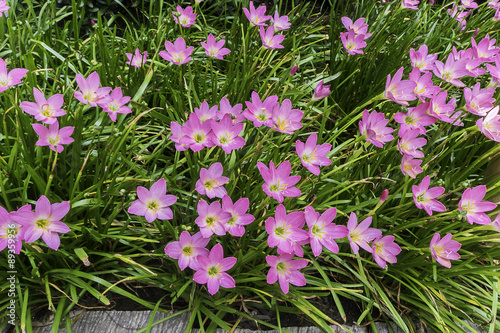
x: 278, y: 182
x: 415, y: 119
x: 213, y: 49
x: 286, y: 270
x: 205, y: 112
x: 10, y: 78
x: 269, y: 40
x: 312, y: 155
x: 280, y: 22
x: 259, y: 112
x: 495, y: 70
x: 469, y: 4
x: 234, y: 111
x: 490, y: 125
x: 212, y: 182
x: 211, y: 218
x: 137, y: 60
x: 176, y: 136
x: 410, y: 4
x: 459, y: 16
x: 373, y: 126
x: 44, y: 110
x: 185, y: 17
x: 197, y: 135
x: 451, y: 71
x: 53, y: 137
x: 239, y: 217
x: 422, y: 60
x: 479, y: 101
x: 10, y: 228
x: 360, y: 235
x: 284, y: 229
x: 473, y: 206
x: 322, y: 231
x: 485, y: 49
x: 116, y: 104
x: 359, y: 26
x: 90, y: 92
x: 496, y: 223
x: 3, y: 7
x: 384, y: 249
x: 445, y: 111
x: 213, y: 269
x: 285, y: 119
x: 352, y: 43
x: 256, y: 16
x: 409, y: 142
x: 425, y: 87
x: 321, y: 91
x: 424, y: 196
x: 153, y: 203
x: 399, y: 91
x: 411, y: 166
x: 177, y: 53
x: 444, y: 250
x: 187, y: 249
x: 225, y: 134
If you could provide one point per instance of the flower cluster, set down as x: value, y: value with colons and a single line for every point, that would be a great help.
x: 354, y: 39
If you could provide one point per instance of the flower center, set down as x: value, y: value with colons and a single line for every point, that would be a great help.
x: 54, y: 141
x: 422, y: 198
x: 113, y: 106
x: 199, y: 137
x: 282, y: 268
x: 90, y: 96
x: 277, y: 187
x: 211, y: 221
x: 42, y: 223
x: 469, y: 207
x: 46, y: 110
x: 233, y: 219
x: 153, y: 205
x: 178, y: 57
x: 213, y: 52
x: 187, y: 250
x: 318, y: 231
x: 213, y: 271
x: 210, y: 184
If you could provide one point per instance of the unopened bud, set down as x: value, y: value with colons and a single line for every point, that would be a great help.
x: 383, y: 196
x: 293, y: 70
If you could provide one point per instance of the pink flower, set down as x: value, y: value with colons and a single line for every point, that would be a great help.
x: 3, y: 7
x: 421, y: 60
x: 280, y: 22
x: 90, y: 92
x: 256, y: 16
x: 259, y: 112
x: 213, y: 269
x: 451, y: 71
x: 239, y: 217
x: 187, y: 249
x: 425, y: 87
x: 137, y: 60
x: 12, y: 78
x: 490, y: 125
x: 177, y: 53
x: 213, y: 49
x: 444, y: 250
x: 176, y: 136
x: 211, y: 181
x: 278, y: 182
x: 116, y: 104
x: 286, y: 270
x: 205, y: 112
x: 153, y: 203
x: 322, y: 231
x: 415, y: 119
x: 312, y: 155
x: 44, y: 110
x: 479, y: 101
x: 410, y: 4
x: 495, y: 70
x: 269, y: 40
x: 286, y: 120
x: 485, y: 49
x: 10, y: 228
x: 473, y: 207
x: 197, y: 135
x: 385, y: 250
x: 225, y: 134
x: 44, y: 222
x: 445, y: 111
x: 211, y: 218
x: 399, y: 91
x: 409, y: 142
x: 53, y: 136
x: 360, y: 235
x: 459, y: 16
x: 359, y: 27
x: 496, y: 223
x: 352, y: 43
x: 424, y: 196
x: 233, y: 111
x: 320, y: 91
x: 469, y: 4
x: 284, y: 229
x: 411, y: 166
x: 372, y: 125
x: 185, y: 17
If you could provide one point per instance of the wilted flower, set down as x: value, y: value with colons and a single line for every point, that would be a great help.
x: 44, y: 110
x: 177, y: 53
x: 278, y: 182
x: 444, y: 250
x: 213, y: 269
x: 53, y: 137
x: 286, y: 270
x: 187, y: 249
x: 473, y: 206
x: 137, y: 60
x: 320, y: 91
x: 12, y: 78
x: 185, y: 17
x: 312, y: 155
x: 153, y: 203
x: 211, y: 181
x: 90, y: 92
x: 424, y: 196
x: 213, y: 49
x: 116, y: 104
x: 385, y: 250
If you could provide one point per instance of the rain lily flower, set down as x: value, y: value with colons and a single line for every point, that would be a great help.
x: 234, y: 111
x: 3, y: 7
x: 239, y: 217
x: 359, y: 26
x: 320, y: 91
x: 283, y: 229
x: 360, y: 235
x: 90, y: 92
x: 444, y: 111
x: 257, y: 16
x: 44, y: 222
x: 424, y: 196
x: 153, y: 203
x: 196, y: 134
x: 409, y: 142
x: 469, y: 4
x: 211, y: 181
x: 185, y: 17
x: 422, y: 60
x: 10, y: 228
x: 44, y: 110
x: 495, y: 70
x: 459, y: 16
x: 53, y: 137
x: 451, y: 71
x: 425, y: 87
x: 225, y: 134
x: 399, y: 91
x: 372, y: 125
x: 177, y: 134
x: 177, y: 53
x: 137, y: 60
x: 385, y: 250
x: 479, y: 101
x: 352, y: 43
x: 269, y: 40
x: 211, y: 218
x: 213, y: 49
x: 280, y: 22
x: 494, y: 4
x: 485, y: 49
x: 278, y: 182
x: 213, y: 269
x: 259, y: 112
x: 473, y: 206
x: 444, y: 250
x: 286, y: 120
x: 286, y: 270
x: 187, y: 249
x: 12, y: 78
x: 206, y: 112
x: 490, y: 125
x: 312, y: 155
x: 322, y: 231
x: 496, y: 223
x: 415, y: 119
x: 410, y: 4
x: 496, y: 17
x: 116, y: 104
x: 411, y: 166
